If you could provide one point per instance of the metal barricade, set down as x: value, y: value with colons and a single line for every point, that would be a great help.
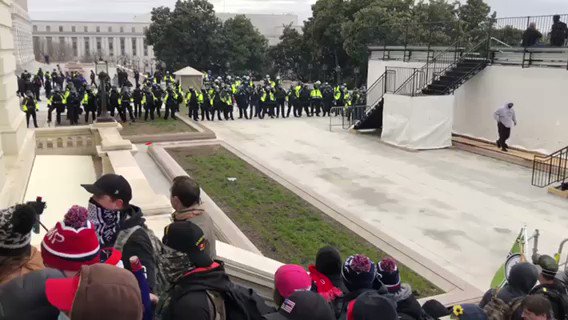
x: 349, y: 116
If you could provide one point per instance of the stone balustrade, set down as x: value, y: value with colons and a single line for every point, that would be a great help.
x: 79, y: 140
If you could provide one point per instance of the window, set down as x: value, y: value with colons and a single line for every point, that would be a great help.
x: 109, y: 29
x: 122, y: 47
x: 73, y: 29
x: 98, y: 29
x: 49, y: 42
x: 87, y: 46
x: 47, y: 28
x: 145, y: 48
x: 86, y: 29
x: 121, y: 29
x: 111, y: 46
x: 74, y: 44
x: 99, y: 44
x: 61, y: 40
x: 133, y: 29
x: 35, y: 28
x: 134, y: 52
x: 60, y: 28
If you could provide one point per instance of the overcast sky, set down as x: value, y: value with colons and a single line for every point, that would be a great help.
x: 116, y: 10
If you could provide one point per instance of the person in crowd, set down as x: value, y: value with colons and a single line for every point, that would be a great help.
x: 550, y: 287
x: 120, y: 224
x: 537, y: 307
x: 303, y: 305
x: 289, y: 279
x: 326, y: 274
x: 521, y: 280
x: 36, y: 87
x: 204, y: 103
x: 170, y: 101
x: 305, y: 99
x: 149, y: 103
x: 468, y: 312
x: 137, y: 78
x: 558, y: 33
x: 255, y: 102
x: 93, y: 77
x: 531, y: 36
x: 201, y: 290
x: 73, y: 101
x: 17, y: 256
x: 113, y: 98
x: 191, y: 101
x: 186, y: 201
x: 358, y: 275
x: 280, y: 95
x: 506, y: 118
x: 55, y: 102
x: 158, y: 94
x: 71, y: 244
x: 47, y: 85
x: 125, y: 102
x: 242, y: 99
x: 99, y: 291
x: 435, y: 309
x: 137, y: 95
x: 388, y: 276
x: 30, y: 106
x: 316, y: 100
x: 371, y: 305
x: 327, y: 99
x: 90, y: 104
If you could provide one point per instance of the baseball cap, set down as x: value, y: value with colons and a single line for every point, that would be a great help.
x: 99, y: 291
x: 111, y: 185
x: 187, y: 237
x: 291, y: 278
x: 303, y: 305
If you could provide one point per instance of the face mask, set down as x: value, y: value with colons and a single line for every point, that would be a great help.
x: 105, y: 221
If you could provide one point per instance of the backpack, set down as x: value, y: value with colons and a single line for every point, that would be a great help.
x: 158, y: 247
x: 558, y: 300
x: 497, y: 309
x: 235, y: 303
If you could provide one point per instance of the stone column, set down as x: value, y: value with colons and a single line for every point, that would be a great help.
x: 16, y: 144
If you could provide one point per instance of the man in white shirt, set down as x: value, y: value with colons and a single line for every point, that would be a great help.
x: 505, y: 117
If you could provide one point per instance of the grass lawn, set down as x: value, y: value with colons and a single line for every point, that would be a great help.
x: 281, y: 224
x: 157, y: 126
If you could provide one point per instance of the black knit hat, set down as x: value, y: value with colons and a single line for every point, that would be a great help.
x: 435, y: 309
x: 328, y: 261
x: 358, y: 272
x: 371, y: 304
x: 16, y: 224
x: 303, y: 305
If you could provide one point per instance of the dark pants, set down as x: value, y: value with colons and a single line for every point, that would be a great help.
x: 149, y: 110
x: 504, y: 134
x: 137, y: 109
x: 205, y: 113
x: 254, y: 109
x: 32, y: 114
x: 316, y: 106
x: 290, y: 104
x: 93, y: 112
x: 172, y: 109
x: 73, y: 114
x: 228, y: 112
x: 158, y: 108
x: 193, y: 112
x: 307, y: 109
x: 243, y: 112
x: 280, y: 107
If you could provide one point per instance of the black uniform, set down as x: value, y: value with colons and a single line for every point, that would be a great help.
x: 171, y: 102
x: 73, y: 107
x: 158, y: 93
x: 149, y: 103
x: 255, y: 102
x: 125, y: 103
x: 90, y: 105
x: 30, y: 106
x: 280, y: 100
x: 114, y: 96
x: 304, y: 101
x: 192, y: 104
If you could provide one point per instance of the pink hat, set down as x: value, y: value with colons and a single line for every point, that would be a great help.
x: 291, y: 278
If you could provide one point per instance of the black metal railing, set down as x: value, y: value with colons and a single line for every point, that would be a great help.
x: 550, y: 169
x: 385, y: 83
x: 510, y: 30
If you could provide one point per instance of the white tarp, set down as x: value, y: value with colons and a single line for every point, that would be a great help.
x: 418, y: 122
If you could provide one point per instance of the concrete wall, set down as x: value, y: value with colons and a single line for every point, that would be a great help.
x: 541, y: 103
x: 22, y: 32
x: 418, y: 123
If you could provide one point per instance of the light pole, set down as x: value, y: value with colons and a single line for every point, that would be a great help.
x: 101, y: 68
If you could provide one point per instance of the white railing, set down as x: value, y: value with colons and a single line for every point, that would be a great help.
x: 79, y: 140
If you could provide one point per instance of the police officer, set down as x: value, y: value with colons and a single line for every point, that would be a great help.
x: 170, y: 101
x: 90, y: 104
x: 228, y: 99
x: 280, y: 95
x: 55, y: 102
x: 159, y: 94
x: 255, y: 101
x: 305, y: 101
x: 268, y: 102
x: 125, y: 104
x: 316, y: 99
x: 30, y: 107
x: 218, y: 102
x: 191, y: 101
x: 327, y: 92
x: 73, y: 102
x: 47, y: 85
x: 137, y: 97
x: 242, y: 101
x: 204, y: 103
x: 149, y: 103
x: 113, y: 98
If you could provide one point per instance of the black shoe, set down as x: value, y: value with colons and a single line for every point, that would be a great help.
x: 504, y: 149
x: 498, y: 144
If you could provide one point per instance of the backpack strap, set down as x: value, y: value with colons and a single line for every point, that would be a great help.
x: 217, y: 305
x: 123, y: 237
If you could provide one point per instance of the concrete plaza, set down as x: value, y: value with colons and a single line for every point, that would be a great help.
x: 460, y: 210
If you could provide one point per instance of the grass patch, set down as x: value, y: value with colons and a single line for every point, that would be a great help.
x: 156, y: 126
x: 281, y: 224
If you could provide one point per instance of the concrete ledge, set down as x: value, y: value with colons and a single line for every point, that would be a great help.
x: 111, y: 140
x: 18, y: 170
x: 200, y: 133
x: 225, y: 229
x: 457, y: 290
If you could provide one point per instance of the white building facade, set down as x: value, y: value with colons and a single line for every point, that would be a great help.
x: 22, y: 33
x: 120, y: 42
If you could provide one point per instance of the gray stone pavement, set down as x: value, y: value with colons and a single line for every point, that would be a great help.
x: 460, y: 210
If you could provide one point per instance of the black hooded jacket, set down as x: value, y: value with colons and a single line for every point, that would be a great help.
x: 24, y: 298
x: 188, y: 297
x: 521, y: 280
x: 138, y: 244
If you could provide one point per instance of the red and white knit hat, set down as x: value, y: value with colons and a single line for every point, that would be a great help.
x: 72, y: 243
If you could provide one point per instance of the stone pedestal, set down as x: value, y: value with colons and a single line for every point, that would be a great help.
x: 16, y: 143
